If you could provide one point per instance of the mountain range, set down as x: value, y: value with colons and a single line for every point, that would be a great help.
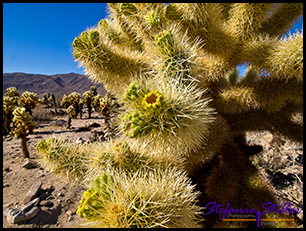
x: 58, y: 84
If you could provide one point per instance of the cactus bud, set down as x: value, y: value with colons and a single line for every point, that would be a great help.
x: 77, y: 43
x: 94, y: 38
x: 165, y: 42
x: 152, y: 18
x: 128, y: 9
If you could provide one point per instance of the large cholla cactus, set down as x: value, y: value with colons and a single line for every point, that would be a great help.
x: 174, y: 67
x: 23, y: 122
x: 28, y: 100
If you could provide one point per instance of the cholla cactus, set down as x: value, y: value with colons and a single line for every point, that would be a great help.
x: 93, y: 90
x: 12, y: 92
x: 9, y: 105
x: 66, y: 101
x: 106, y: 105
x: 75, y: 99
x: 96, y: 102
x: 88, y: 96
x: 174, y: 67
x: 28, y: 100
x: 72, y: 112
x: 24, y: 122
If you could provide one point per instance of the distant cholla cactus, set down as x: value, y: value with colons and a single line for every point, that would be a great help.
x: 9, y: 105
x: 93, y: 90
x: 106, y: 105
x: 88, y: 95
x: 44, y: 100
x: 24, y: 122
x: 96, y: 102
x: 174, y: 69
x: 12, y: 92
x: 66, y: 101
x: 28, y: 100
x: 72, y: 112
x: 75, y: 99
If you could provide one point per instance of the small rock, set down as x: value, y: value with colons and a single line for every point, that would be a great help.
x: 61, y: 122
x: 29, y: 163
x: 33, y: 192
x: 46, y: 203
x: 79, y: 140
x: 24, y: 213
x: 109, y: 135
x: 6, y: 169
x: 44, y: 208
x: 60, y: 195
x: 8, y: 139
x: 69, y: 212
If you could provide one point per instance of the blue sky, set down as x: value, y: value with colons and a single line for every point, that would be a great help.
x: 37, y: 37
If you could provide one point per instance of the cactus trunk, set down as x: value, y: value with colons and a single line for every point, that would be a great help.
x: 24, y: 146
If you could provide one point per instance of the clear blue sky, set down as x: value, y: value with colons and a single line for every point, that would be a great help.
x: 37, y: 37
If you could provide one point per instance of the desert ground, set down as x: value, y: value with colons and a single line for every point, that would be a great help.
x: 280, y: 163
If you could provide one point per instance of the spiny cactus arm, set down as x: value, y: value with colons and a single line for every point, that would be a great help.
x: 281, y: 19
x: 288, y: 128
x: 225, y: 9
x: 258, y: 120
x: 265, y: 94
x: 116, y: 15
x: 157, y: 198
x: 144, y: 20
x: 109, y: 63
x: 286, y: 59
x: 204, y: 21
x: 245, y: 19
x: 283, y: 58
x: 63, y: 158
x: 71, y: 110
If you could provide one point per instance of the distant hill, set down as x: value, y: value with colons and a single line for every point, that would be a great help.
x: 58, y: 84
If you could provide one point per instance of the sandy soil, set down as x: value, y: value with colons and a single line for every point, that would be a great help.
x: 279, y: 163
x: 18, y: 180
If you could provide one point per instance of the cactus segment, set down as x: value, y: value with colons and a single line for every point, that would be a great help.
x: 128, y: 9
x: 142, y: 199
x: 164, y: 40
x: 152, y: 18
